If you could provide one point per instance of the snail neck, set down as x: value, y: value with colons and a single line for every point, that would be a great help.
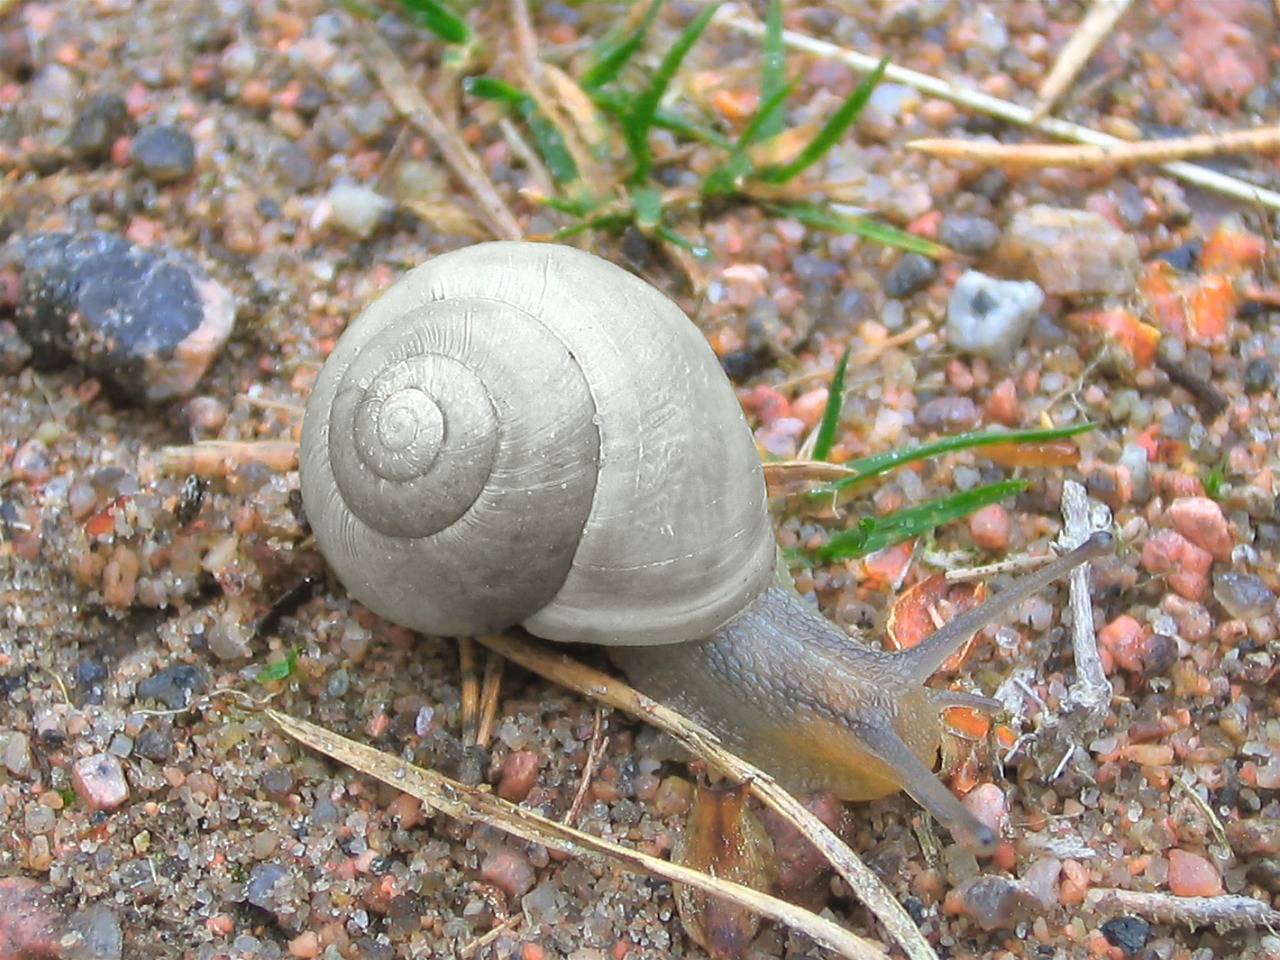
x: 796, y: 696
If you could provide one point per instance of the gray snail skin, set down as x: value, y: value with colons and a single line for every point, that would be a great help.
x: 525, y: 434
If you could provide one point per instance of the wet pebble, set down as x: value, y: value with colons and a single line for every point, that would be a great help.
x: 911, y: 272
x: 152, y: 744
x: 98, y: 933
x: 991, y: 317
x: 509, y: 870
x: 174, y: 686
x: 101, y: 121
x: 146, y: 322
x: 1070, y: 253
x: 967, y: 234
x: 15, y: 753
x: 263, y: 880
x: 519, y: 774
x: 1245, y: 596
x: 163, y: 153
x: 31, y: 928
x: 99, y: 780
x: 544, y: 904
x: 949, y: 413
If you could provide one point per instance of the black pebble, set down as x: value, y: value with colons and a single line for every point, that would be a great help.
x: 163, y: 153
x: 174, y: 686
x: 1185, y: 256
x: 121, y: 311
x: 912, y: 272
x: 153, y: 744
x: 1130, y: 934
x: 967, y: 234
x: 1259, y: 375
x: 89, y: 675
x: 102, y: 120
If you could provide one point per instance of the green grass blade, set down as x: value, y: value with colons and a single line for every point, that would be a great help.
x: 637, y: 122
x: 614, y: 56
x: 773, y: 77
x: 546, y: 137
x: 878, y: 463
x: 831, y: 413
x: 727, y: 178
x: 647, y: 204
x: 618, y: 104
x: 876, y: 533
x: 699, y: 250
x: 768, y: 116
x: 865, y: 227
x: 439, y: 19
x: 831, y: 131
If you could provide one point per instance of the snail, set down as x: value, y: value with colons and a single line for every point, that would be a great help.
x: 524, y: 433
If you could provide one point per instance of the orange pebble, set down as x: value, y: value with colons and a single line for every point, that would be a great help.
x: 990, y: 527
x: 1191, y: 875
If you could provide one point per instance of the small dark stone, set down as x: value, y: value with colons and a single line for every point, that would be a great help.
x: 164, y: 154
x: 263, y: 878
x: 1130, y: 934
x: 89, y: 675
x: 276, y: 781
x: 153, y: 744
x: 174, y: 686
x: 1259, y: 375
x: 741, y: 365
x: 146, y: 322
x: 991, y: 184
x: 1265, y: 872
x: 100, y: 123
x: 310, y: 99
x: 294, y: 165
x: 912, y: 272
x: 1184, y: 256
x: 969, y: 235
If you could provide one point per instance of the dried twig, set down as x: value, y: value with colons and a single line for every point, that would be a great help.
x: 702, y: 743
x: 595, y: 754
x: 471, y: 804
x: 1003, y: 109
x: 1096, y: 25
x: 1120, y: 154
x: 217, y: 458
x: 414, y: 107
x: 1222, y: 913
x: 1088, y: 701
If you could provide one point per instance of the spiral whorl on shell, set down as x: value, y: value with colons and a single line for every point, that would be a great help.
x: 525, y: 433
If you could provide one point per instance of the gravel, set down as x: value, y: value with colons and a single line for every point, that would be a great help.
x: 149, y: 813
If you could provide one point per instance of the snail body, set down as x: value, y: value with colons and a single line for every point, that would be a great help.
x: 521, y: 433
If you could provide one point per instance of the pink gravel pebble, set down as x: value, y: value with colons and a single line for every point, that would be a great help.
x: 987, y: 802
x: 100, y: 781
x: 990, y: 527
x: 30, y: 926
x: 1191, y: 875
x: 519, y: 774
x: 1168, y: 553
x: 1200, y: 520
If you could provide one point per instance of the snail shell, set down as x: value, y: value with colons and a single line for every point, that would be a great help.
x: 526, y: 433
